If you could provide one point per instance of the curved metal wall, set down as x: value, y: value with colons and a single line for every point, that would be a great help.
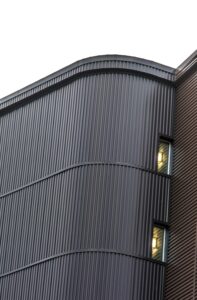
x: 79, y: 187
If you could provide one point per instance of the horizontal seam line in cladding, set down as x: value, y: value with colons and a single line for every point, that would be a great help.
x: 126, y: 61
x: 81, y: 251
x: 116, y: 164
x: 90, y: 63
x: 170, y: 82
x: 55, y: 85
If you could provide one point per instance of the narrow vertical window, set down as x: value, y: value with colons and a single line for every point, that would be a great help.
x: 159, y: 243
x: 164, y: 157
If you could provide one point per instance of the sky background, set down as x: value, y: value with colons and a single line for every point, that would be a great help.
x: 40, y: 37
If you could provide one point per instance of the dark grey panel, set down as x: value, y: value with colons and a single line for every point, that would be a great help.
x: 99, y: 207
x: 86, y: 276
x: 93, y: 65
x: 108, y: 118
x: 78, y: 173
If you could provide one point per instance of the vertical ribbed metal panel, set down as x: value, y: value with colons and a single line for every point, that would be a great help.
x: 110, y: 117
x: 90, y: 207
x: 181, y: 271
x: 93, y: 65
x: 79, y: 187
x: 85, y: 276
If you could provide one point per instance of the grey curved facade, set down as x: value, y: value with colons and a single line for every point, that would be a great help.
x: 80, y: 189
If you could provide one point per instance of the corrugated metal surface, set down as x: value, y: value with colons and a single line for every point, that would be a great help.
x: 109, y: 117
x: 78, y: 173
x: 98, y: 206
x: 181, y: 271
x: 83, y: 276
x: 90, y: 65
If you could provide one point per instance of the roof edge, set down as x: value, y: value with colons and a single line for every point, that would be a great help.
x: 187, y: 67
x: 90, y: 60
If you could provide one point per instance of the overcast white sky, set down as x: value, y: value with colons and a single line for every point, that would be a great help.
x: 38, y: 37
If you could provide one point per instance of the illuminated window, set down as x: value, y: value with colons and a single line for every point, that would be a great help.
x: 159, y: 243
x: 164, y: 157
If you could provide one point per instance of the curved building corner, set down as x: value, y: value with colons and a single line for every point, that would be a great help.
x: 81, y: 193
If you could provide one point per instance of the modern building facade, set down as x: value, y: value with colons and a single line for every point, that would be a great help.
x: 98, y: 183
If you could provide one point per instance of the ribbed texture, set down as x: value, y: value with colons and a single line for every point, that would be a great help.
x: 87, y: 276
x: 112, y: 117
x: 181, y: 271
x: 88, y: 207
x: 106, y: 62
x: 100, y: 135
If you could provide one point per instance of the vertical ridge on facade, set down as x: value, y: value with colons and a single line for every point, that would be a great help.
x: 81, y: 194
x: 181, y: 270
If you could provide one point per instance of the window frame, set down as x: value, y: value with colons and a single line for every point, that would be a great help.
x: 165, y: 228
x: 169, y: 141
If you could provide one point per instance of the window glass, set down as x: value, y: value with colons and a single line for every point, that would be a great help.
x: 163, y: 157
x: 158, y: 243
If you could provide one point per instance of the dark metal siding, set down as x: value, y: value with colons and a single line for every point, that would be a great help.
x: 91, y: 65
x: 181, y: 270
x: 89, y: 207
x: 80, y: 191
x: 85, y: 276
x: 107, y: 118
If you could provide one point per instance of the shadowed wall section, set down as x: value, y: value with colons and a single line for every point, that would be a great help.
x: 181, y: 279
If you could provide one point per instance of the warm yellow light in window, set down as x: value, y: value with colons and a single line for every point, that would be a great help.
x: 154, y: 243
x: 160, y: 157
